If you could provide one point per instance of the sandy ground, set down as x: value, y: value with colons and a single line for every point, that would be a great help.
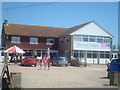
x: 1, y: 68
x: 93, y: 76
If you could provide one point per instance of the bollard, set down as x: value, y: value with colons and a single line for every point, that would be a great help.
x: 16, y: 79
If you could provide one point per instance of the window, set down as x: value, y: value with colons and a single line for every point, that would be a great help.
x: 61, y: 41
x: 85, y: 38
x: 91, y: 54
x: 94, y: 54
x: 75, y: 53
x: 92, y: 39
x: 105, y: 54
x: 50, y: 41
x: 99, y: 39
x: 106, y: 40
x: 78, y: 53
x: 33, y: 40
x: 77, y: 38
x: 81, y: 54
x: 67, y: 40
x: 15, y: 39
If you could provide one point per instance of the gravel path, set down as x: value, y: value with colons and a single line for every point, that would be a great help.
x: 93, y: 76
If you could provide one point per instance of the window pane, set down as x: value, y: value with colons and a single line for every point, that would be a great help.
x: 33, y: 40
x: 101, y: 55
x: 85, y: 38
x: 61, y: 41
x: 81, y: 55
x: 67, y: 40
x: 89, y: 55
x: 94, y: 55
x: 15, y: 39
x: 76, y: 55
x: 77, y: 38
x: 50, y: 41
x: 81, y: 51
x: 107, y: 52
x: 99, y: 40
x: 106, y: 40
x: 102, y: 52
x: 107, y: 55
x: 92, y: 39
x: 75, y: 51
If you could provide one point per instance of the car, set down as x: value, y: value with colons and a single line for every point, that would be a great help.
x: 59, y: 61
x: 29, y: 60
x: 78, y: 62
x: 114, y: 65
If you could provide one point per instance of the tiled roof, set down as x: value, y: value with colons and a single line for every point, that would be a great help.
x: 30, y: 30
x: 40, y: 31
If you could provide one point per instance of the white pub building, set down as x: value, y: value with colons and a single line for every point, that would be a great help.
x: 92, y: 43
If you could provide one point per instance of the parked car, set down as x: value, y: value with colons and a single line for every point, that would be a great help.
x: 59, y: 61
x: 29, y: 60
x: 78, y: 62
x: 114, y: 65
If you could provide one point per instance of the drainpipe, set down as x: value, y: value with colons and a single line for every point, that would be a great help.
x: 71, y: 49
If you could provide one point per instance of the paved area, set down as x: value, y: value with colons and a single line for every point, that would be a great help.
x: 1, y: 68
x: 93, y: 76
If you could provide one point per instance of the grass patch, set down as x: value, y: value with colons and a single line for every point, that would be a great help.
x: 17, y: 87
x: 117, y: 84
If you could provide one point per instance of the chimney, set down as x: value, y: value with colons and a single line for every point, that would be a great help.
x: 5, y: 22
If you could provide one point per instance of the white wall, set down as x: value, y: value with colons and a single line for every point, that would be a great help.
x: 104, y: 61
x: 1, y: 57
x: 91, y: 29
x: 95, y: 61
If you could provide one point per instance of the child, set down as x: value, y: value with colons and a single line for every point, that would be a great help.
x: 40, y: 63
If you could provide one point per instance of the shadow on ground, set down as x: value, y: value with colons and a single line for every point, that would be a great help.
x: 104, y: 78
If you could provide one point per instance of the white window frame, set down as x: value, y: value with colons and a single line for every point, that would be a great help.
x: 15, y: 39
x: 33, y: 40
x: 49, y: 41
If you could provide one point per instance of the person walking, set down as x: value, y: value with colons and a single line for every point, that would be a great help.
x: 45, y: 62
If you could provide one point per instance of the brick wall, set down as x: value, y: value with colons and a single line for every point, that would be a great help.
x: 25, y: 43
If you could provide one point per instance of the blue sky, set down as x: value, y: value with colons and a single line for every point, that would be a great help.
x: 63, y: 14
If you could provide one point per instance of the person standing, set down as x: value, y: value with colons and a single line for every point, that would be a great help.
x: 49, y: 64
x: 40, y: 63
x: 45, y: 61
x: 12, y: 58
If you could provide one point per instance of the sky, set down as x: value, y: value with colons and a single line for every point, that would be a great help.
x: 63, y: 14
